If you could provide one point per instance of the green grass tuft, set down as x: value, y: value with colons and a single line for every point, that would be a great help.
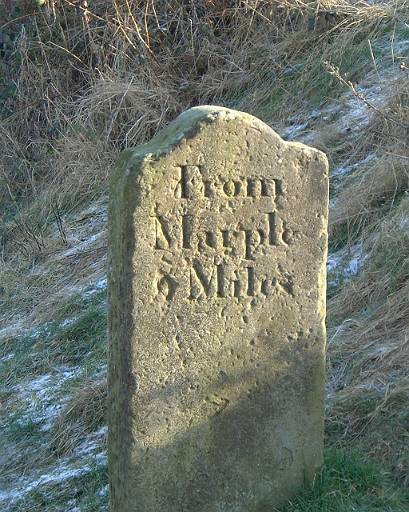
x: 349, y: 483
x: 57, y: 344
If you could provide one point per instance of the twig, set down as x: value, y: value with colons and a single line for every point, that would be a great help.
x: 334, y: 71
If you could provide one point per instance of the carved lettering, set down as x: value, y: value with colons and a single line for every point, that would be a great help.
x: 217, y: 236
x: 217, y: 283
x: 250, y: 281
x: 194, y: 183
x: 263, y: 187
x: 221, y: 292
x: 232, y: 188
x: 163, y: 239
x: 226, y: 238
x: 187, y: 227
x: 167, y: 285
x: 253, y: 239
x: 208, y: 188
x: 241, y: 243
x: 201, y: 283
x: 189, y: 178
x: 211, y: 239
x: 236, y: 286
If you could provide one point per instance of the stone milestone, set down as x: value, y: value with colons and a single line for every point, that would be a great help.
x: 218, y: 243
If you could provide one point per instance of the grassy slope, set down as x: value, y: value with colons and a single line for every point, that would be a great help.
x: 81, y: 85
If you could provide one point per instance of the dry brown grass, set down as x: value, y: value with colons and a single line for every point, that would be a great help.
x: 92, y: 82
x: 368, y: 356
x: 376, y: 188
x: 83, y: 414
x: 367, y: 192
x: 121, y: 70
x: 370, y: 396
x: 372, y: 208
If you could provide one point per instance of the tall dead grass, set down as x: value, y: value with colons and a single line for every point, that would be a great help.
x: 85, y: 82
x: 369, y: 349
x: 110, y: 75
x: 373, y: 206
x: 83, y: 414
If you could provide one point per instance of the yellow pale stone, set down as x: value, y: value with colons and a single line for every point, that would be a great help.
x: 218, y: 242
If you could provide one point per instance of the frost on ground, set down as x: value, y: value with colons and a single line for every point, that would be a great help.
x: 354, y: 109
x: 39, y: 396
x: 345, y: 263
x: 66, y: 469
x: 101, y: 284
x: 11, y: 328
x: 39, y: 402
x: 348, y: 260
x: 347, y: 168
x: 85, y: 244
x: 79, y: 264
x: 79, y: 261
x: 7, y: 357
x: 42, y: 406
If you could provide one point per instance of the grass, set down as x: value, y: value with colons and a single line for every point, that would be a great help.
x: 347, y: 483
x: 78, y: 330
x: 76, y: 337
x: 79, y: 85
x: 86, y: 491
x: 183, y: 56
x: 350, y: 483
x: 82, y: 415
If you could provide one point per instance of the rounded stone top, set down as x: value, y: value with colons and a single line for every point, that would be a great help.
x: 190, y: 123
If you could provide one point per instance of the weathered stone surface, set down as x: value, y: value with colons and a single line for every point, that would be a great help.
x: 218, y: 244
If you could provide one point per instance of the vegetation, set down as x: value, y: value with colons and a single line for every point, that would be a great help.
x: 348, y: 483
x: 79, y: 81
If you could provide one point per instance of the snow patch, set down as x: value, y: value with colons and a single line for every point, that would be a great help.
x: 6, y: 358
x: 101, y: 284
x: 400, y: 47
x: 101, y: 372
x: 92, y: 442
x: 352, y: 111
x: 347, y: 262
x: 97, y: 209
x: 101, y: 459
x: 356, y: 261
x: 103, y: 491
x: 299, y: 125
x: 67, y: 469
x: 39, y: 395
x: 346, y: 169
x: 67, y: 322
x: 42, y: 330
x: 12, y: 329
x: 294, y: 130
x: 57, y: 475
x: 352, y: 267
x: 81, y: 246
x: 404, y: 223
x: 333, y: 261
